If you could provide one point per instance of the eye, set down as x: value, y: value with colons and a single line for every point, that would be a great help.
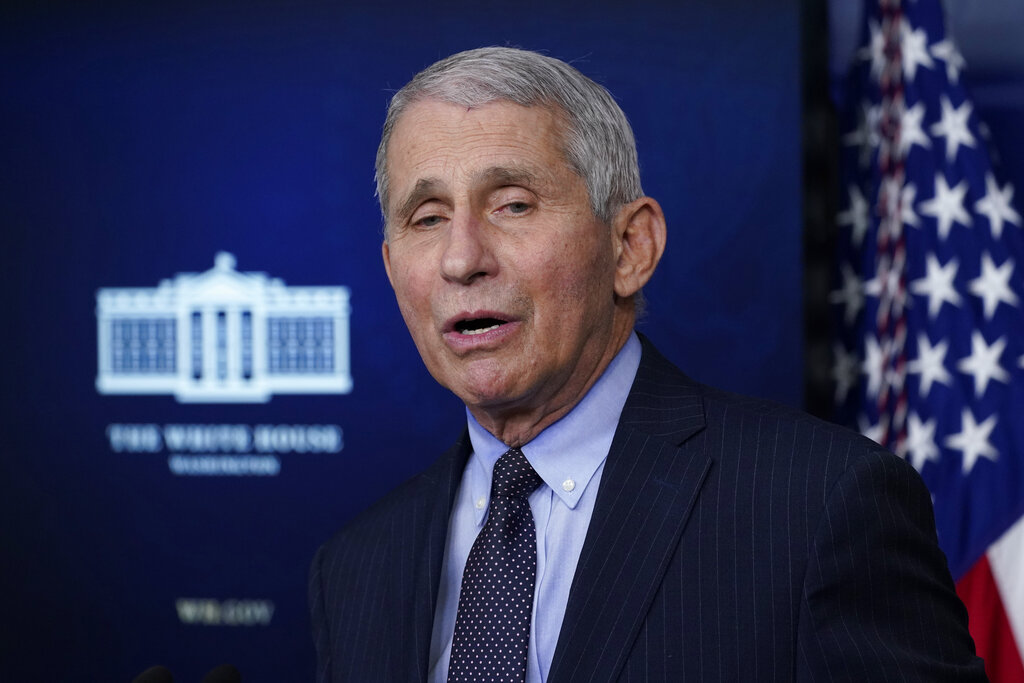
x: 512, y: 201
x: 515, y: 208
x: 428, y: 221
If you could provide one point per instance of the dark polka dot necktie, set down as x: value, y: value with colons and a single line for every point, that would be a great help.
x: 492, y: 626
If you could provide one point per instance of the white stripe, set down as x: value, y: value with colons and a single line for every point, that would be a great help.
x: 1006, y: 557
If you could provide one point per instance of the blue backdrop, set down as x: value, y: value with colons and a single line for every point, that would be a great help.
x: 140, y: 141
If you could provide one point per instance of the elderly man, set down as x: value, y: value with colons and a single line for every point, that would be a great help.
x: 603, y: 517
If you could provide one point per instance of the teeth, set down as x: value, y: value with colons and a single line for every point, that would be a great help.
x: 481, y: 330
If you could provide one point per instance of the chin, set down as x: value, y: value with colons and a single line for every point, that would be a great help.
x: 493, y: 393
x: 483, y: 397
x: 482, y: 381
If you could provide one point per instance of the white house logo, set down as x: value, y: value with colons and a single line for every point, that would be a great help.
x: 223, y: 336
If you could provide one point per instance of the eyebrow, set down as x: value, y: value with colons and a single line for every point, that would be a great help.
x: 424, y: 188
x: 494, y: 176
x: 500, y: 176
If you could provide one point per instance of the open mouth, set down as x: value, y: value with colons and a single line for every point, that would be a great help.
x: 478, y: 325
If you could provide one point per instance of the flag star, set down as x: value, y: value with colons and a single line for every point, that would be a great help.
x: 895, y: 378
x: 921, y: 441
x: 907, y: 213
x: 850, y: 294
x: 854, y: 137
x: 875, y: 432
x: 890, y: 197
x: 844, y: 372
x: 872, y: 365
x: 953, y: 126
x: 930, y: 364
x: 874, y: 286
x: 947, y: 205
x: 983, y: 363
x: 972, y: 440
x: 859, y: 135
x: 856, y: 216
x: 947, y: 52
x: 996, y: 205
x: 914, y: 50
x: 866, y: 134
x: 910, y: 129
x: 993, y: 285
x: 875, y: 50
x: 886, y: 280
x: 937, y: 284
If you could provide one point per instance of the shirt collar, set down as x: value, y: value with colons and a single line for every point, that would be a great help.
x: 568, y: 453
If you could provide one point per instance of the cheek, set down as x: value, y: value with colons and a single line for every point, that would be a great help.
x: 413, y: 301
x: 575, y: 298
x: 589, y: 275
x: 409, y: 282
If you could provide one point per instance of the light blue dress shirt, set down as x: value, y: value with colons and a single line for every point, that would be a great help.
x: 569, y: 456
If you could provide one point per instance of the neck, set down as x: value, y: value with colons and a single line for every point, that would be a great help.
x: 517, y: 425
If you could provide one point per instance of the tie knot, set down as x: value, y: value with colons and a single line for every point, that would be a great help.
x: 514, y: 476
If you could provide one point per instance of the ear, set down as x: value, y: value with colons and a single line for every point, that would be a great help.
x: 639, y: 234
x: 385, y: 251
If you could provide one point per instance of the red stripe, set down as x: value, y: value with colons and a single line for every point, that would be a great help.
x: 988, y: 624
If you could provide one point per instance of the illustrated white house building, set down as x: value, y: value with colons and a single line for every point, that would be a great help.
x: 223, y: 336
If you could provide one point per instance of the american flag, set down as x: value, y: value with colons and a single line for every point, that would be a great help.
x: 929, y: 301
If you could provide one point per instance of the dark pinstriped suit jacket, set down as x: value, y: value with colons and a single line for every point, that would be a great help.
x: 732, y: 540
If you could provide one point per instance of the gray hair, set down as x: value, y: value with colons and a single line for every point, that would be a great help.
x: 598, y: 144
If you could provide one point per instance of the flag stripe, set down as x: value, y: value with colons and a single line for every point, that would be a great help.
x: 1006, y: 558
x: 989, y: 624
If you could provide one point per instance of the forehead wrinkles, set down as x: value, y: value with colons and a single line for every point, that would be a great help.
x: 437, y: 143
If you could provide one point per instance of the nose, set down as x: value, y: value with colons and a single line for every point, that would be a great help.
x: 467, y: 252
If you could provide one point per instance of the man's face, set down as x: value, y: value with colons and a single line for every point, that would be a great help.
x: 504, y: 276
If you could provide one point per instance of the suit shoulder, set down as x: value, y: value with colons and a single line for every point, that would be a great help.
x: 764, y: 429
x: 403, y: 504
x: 391, y: 505
x: 398, y: 507
x: 742, y: 426
x: 732, y: 407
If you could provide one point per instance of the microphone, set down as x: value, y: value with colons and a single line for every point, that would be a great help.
x: 225, y: 673
x: 155, y: 674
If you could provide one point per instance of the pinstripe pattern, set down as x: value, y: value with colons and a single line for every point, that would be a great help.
x: 373, y: 586
x: 732, y: 539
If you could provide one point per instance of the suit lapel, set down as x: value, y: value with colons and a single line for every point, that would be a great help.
x: 422, y: 560
x: 648, y: 488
